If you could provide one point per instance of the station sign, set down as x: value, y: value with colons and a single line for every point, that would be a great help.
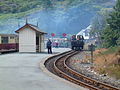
x: 64, y: 34
x: 91, y: 47
x: 53, y: 34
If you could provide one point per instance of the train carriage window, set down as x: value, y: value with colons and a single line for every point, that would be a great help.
x: 4, y: 40
x: 11, y: 37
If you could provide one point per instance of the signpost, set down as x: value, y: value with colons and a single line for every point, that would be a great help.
x: 64, y: 34
x: 91, y: 48
x: 52, y: 34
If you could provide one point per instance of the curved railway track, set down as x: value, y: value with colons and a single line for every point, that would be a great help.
x: 59, y: 66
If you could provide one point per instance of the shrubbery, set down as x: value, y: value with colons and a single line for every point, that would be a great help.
x: 111, y: 34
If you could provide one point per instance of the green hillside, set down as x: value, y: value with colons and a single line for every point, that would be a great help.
x: 15, y: 6
x: 52, y: 15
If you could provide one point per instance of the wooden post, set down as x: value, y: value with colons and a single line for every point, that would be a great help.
x: 91, y: 48
x: 91, y: 53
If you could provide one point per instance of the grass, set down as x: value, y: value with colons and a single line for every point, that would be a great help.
x: 111, y: 50
x: 111, y: 67
x: 112, y: 70
x: 18, y: 15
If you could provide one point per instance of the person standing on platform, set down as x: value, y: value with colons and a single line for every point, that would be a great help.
x: 56, y: 44
x: 49, y: 46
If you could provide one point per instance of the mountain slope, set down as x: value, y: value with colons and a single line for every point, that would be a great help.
x: 56, y: 16
x: 15, y: 6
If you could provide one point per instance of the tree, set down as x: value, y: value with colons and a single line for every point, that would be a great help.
x: 98, y: 24
x: 111, y: 34
x: 118, y: 41
x: 108, y: 37
x: 48, y: 4
x: 99, y: 21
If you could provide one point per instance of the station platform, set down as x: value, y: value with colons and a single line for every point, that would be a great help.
x: 25, y: 71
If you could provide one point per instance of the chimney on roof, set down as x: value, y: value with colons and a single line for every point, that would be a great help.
x: 26, y: 20
x: 37, y: 24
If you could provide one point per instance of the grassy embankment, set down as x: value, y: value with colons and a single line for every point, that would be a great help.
x: 107, y: 61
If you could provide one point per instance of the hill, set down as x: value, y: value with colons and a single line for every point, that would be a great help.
x: 56, y: 16
x: 15, y: 6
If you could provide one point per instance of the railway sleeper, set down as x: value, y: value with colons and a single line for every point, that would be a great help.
x: 76, y: 82
x: 104, y: 88
x: 84, y: 79
x: 96, y: 84
x: 77, y: 76
x: 79, y: 82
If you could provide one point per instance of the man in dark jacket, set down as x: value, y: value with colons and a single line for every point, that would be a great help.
x: 49, y: 46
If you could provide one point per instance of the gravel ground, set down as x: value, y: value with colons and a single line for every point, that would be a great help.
x: 77, y: 64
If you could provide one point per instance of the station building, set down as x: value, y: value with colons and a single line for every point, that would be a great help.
x: 31, y: 38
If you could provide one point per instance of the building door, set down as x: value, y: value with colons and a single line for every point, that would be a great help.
x: 37, y: 44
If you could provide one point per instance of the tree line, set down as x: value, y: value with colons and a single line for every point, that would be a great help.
x: 16, y: 6
x: 106, y: 26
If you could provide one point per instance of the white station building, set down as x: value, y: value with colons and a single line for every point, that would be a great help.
x: 31, y: 38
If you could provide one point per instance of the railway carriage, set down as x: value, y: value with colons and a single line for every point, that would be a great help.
x: 77, y: 42
x: 8, y: 42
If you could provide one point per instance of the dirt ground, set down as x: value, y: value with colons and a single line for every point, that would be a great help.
x: 108, y: 64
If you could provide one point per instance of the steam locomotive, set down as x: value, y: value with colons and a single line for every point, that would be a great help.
x: 77, y: 42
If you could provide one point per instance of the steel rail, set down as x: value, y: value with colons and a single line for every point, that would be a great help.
x: 66, y: 72
x: 70, y: 78
x: 58, y: 65
x: 99, y: 84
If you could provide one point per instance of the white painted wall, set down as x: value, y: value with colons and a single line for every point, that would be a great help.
x: 42, y: 43
x: 27, y: 40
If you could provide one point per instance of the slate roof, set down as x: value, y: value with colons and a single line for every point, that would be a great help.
x: 6, y: 35
x: 33, y: 27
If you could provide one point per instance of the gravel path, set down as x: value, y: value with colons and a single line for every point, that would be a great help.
x: 77, y: 64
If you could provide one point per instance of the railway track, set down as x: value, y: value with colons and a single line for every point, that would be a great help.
x: 58, y: 65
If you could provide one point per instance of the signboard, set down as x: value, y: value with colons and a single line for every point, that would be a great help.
x: 52, y: 34
x: 64, y: 34
x: 91, y: 47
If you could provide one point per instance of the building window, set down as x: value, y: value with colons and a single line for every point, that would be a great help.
x: 4, y: 40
